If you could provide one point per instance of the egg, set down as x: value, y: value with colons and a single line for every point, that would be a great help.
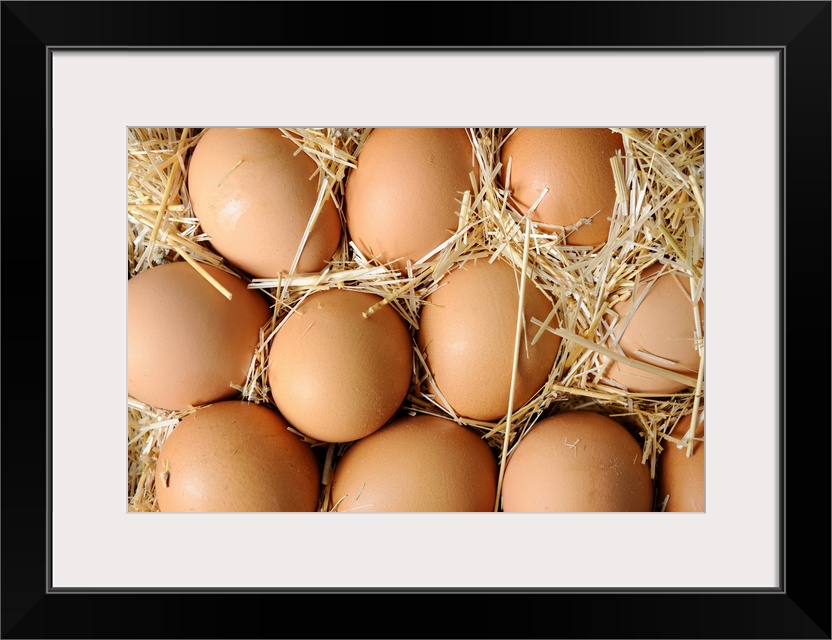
x: 572, y: 166
x: 336, y: 375
x: 577, y: 461
x: 187, y: 344
x: 416, y: 463
x: 236, y: 456
x: 254, y: 194
x: 403, y: 196
x: 467, y: 334
x: 657, y: 326
x: 681, y: 478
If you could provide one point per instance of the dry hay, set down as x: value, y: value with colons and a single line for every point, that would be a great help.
x: 659, y: 217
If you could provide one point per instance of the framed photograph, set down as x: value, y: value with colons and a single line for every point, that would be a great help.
x: 754, y: 77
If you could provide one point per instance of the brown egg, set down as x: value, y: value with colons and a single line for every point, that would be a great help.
x: 236, y: 456
x: 187, y: 344
x: 403, y: 197
x: 467, y: 333
x: 254, y: 194
x: 574, y: 165
x: 657, y: 326
x: 679, y: 478
x: 336, y: 375
x: 419, y: 463
x: 577, y: 461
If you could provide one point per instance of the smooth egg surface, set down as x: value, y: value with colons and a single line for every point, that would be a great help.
x: 577, y: 461
x: 187, y: 344
x: 681, y: 478
x: 416, y: 463
x: 336, y: 375
x: 236, y: 456
x: 467, y: 333
x: 254, y: 194
x: 573, y: 164
x: 657, y: 326
x: 403, y: 196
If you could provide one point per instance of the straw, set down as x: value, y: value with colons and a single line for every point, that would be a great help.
x: 658, y: 217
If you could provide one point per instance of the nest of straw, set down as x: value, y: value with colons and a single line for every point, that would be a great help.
x: 658, y: 217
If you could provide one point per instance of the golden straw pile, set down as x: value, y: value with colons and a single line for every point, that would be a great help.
x: 659, y: 216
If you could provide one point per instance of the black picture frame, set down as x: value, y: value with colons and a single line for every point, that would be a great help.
x: 799, y: 608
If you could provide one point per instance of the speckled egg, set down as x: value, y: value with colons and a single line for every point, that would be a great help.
x: 236, y: 456
x: 254, y: 192
x: 404, y: 195
x: 467, y: 333
x: 335, y: 374
x: 577, y: 461
x: 680, y: 478
x: 658, y: 325
x: 572, y: 167
x: 187, y: 344
x: 416, y: 463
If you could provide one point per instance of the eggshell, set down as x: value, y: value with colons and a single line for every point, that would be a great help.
x: 236, y: 456
x: 577, y: 461
x: 657, y: 326
x: 574, y: 165
x: 418, y: 463
x: 187, y: 344
x: 467, y: 333
x: 679, y: 478
x: 254, y: 193
x: 336, y: 375
x: 403, y: 196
